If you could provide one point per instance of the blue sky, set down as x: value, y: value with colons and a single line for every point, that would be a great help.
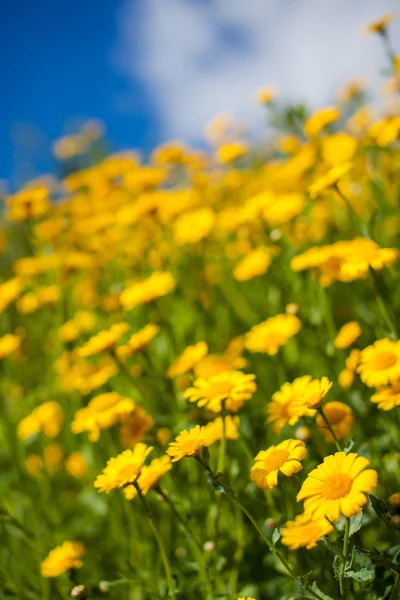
x: 161, y: 69
x: 57, y: 63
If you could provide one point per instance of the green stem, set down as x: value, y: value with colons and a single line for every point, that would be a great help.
x: 330, y: 429
x: 345, y: 557
x: 382, y: 305
x: 196, y: 545
x: 222, y: 445
x: 158, y: 538
x: 395, y: 593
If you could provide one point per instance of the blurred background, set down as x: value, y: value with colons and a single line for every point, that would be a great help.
x: 152, y: 70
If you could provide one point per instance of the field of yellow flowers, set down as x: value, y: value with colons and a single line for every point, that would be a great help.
x: 200, y: 365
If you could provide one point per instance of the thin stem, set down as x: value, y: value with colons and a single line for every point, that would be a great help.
x: 330, y: 429
x: 163, y: 553
x: 196, y: 545
x: 381, y: 302
x: 345, y: 557
x: 222, y: 445
x: 395, y: 593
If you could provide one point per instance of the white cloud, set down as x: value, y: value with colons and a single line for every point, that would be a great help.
x: 200, y: 57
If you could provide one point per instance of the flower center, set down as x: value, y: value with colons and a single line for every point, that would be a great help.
x: 275, y: 460
x: 335, y: 416
x: 385, y: 360
x: 337, y: 486
x: 128, y: 473
x: 222, y: 388
x: 190, y: 447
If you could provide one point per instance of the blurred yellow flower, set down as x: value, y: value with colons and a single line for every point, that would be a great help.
x: 387, y: 398
x: 134, y: 426
x: 157, y: 285
x: 102, y: 412
x: 304, y: 531
x: 338, y: 148
x: 47, y: 417
x: 380, y: 25
x: 254, y: 264
x: 62, y: 559
x: 271, y: 334
x: 320, y: 119
x: 340, y: 418
x: 194, y: 226
x: 214, y: 429
x: 229, y: 389
x: 347, y: 334
x: 104, y: 341
x: 75, y: 465
x: 189, y: 358
x: 9, y: 344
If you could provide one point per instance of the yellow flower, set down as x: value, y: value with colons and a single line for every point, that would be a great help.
x: 34, y: 465
x: 283, y: 209
x: 69, y: 332
x: 139, y: 341
x: 347, y: 335
x: 380, y: 363
x: 340, y: 417
x: 320, y: 119
x: 104, y: 341
x: 194, y: 226
x: 271, y: 334
x: 254, y: 264
x: 338, y: 486
x: 304, y: 531
x: 232, y: 388
x: 29, y: 203
x: 387, y: 398
x: 266, y: 94
x: 27, y: 304
x: 287, y: 405
x: 188, y: 359
x: 47, y: 417
x: 123, y: 469
x: 232, y: 151
x: 102, y: 412
x: 53, y: 456
x: 9, y: 343
x: 346, y: 378
x: 379, y: 26
x: 9, y: 291
x: 134, y: 426
x: 338, y: 148
x: 149, y: 476
x: 188, y: 443
x: 230, y: 360
x: 284, y: 458
x: 157, y: 285
x: 328, y: 180
x: 75, y: 465
x: 214, y: 429
x: 62, y: 559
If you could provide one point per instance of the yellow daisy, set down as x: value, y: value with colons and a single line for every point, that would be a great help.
x: 102, y: 412
x: 149, y: 476
x: 304, y: 531
x: 284, y: 458
x: 380, y: 363
x: 123, y: 469
x: 188, y: 443
x: 338, y: 486
x: 387, y: 398
x: 288, y: 404
x: 232, y: 388
x: 214, y: 429
x: 157, y: 285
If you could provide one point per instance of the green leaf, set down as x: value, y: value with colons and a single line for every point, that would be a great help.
x: 322, y: 595
x: 380, y: 507
x: 355, y: 523
x: 350, y: 444
x: 276, y: 534
x: 337, y: 566
x: 334, y: 548
x: 361, y: 575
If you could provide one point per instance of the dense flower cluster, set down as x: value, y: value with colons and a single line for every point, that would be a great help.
x: 233, y: 312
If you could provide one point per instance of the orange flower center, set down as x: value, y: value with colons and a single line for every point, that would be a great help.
x: 385, y: 360
x: 334, y: 416
x: 337, y: 486
x: 275, y: 460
